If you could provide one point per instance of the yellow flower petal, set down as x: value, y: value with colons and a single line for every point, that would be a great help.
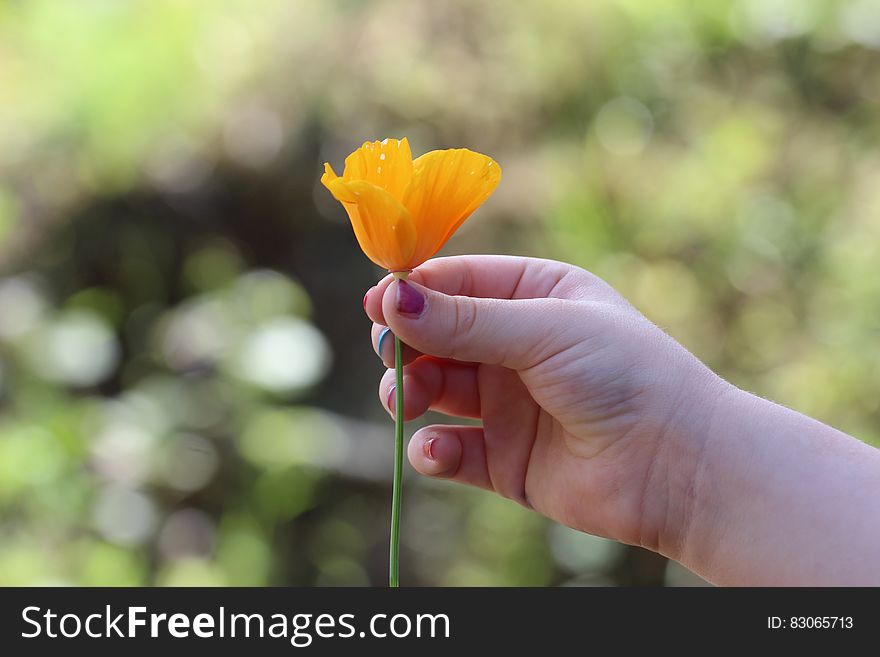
x: 382, y: 225
x: 387, y: 164
x: 446, y: 187
x: 328, y: 178
x: 403, y: 211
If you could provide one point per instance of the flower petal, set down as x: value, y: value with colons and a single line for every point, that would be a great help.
x: 387, y: 164
x: 328, y: 178
x: 447, y: 186
x: 382, y: 225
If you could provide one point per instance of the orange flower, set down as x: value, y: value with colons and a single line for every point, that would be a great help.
x: 403, y: 210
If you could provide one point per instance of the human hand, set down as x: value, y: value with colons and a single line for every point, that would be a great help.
x: 591, y: 414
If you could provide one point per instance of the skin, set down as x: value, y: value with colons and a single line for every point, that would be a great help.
x: 593, y: 416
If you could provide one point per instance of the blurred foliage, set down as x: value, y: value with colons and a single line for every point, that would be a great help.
x: 186, y: 377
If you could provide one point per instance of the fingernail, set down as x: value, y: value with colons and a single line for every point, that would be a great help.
x: 384, y: 334
x: 392, y: 398
x: 409, y: 300
x: 366, y: 296
x: 428, y: 447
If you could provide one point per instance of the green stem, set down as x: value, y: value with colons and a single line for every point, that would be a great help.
x: 394, y: 551
x: 394, y: 560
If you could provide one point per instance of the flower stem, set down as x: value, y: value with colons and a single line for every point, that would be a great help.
x: 394, y: 551
x: 394, y: 560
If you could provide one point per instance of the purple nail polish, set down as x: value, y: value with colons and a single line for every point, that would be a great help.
x: 392, y: 398
x: 428, y: 448
x: 409, y: 300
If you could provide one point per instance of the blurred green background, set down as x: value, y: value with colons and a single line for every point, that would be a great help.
x: 187, y: 387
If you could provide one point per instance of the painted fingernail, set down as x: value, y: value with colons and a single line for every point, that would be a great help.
x: 366, y: 296
x: 392, y: 398
x: 409, y: 300
x: 384, y: 334
x: 428, y: 447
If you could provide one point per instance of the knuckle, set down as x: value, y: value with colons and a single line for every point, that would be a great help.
x: 386, y: 381
x: 464, y: 322
x: 466, y: 315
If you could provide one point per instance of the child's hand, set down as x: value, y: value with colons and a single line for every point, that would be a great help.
x: 591, y: 414
x: 595, y: 417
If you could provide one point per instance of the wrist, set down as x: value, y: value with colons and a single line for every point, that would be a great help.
x: 778, y: 498
x: 673, y: 508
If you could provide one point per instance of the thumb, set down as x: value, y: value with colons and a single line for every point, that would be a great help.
x: 514, y: 333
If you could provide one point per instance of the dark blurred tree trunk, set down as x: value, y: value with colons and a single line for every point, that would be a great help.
x: 639, y: 567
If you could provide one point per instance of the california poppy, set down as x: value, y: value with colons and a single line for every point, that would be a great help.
x: 403, y: 210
